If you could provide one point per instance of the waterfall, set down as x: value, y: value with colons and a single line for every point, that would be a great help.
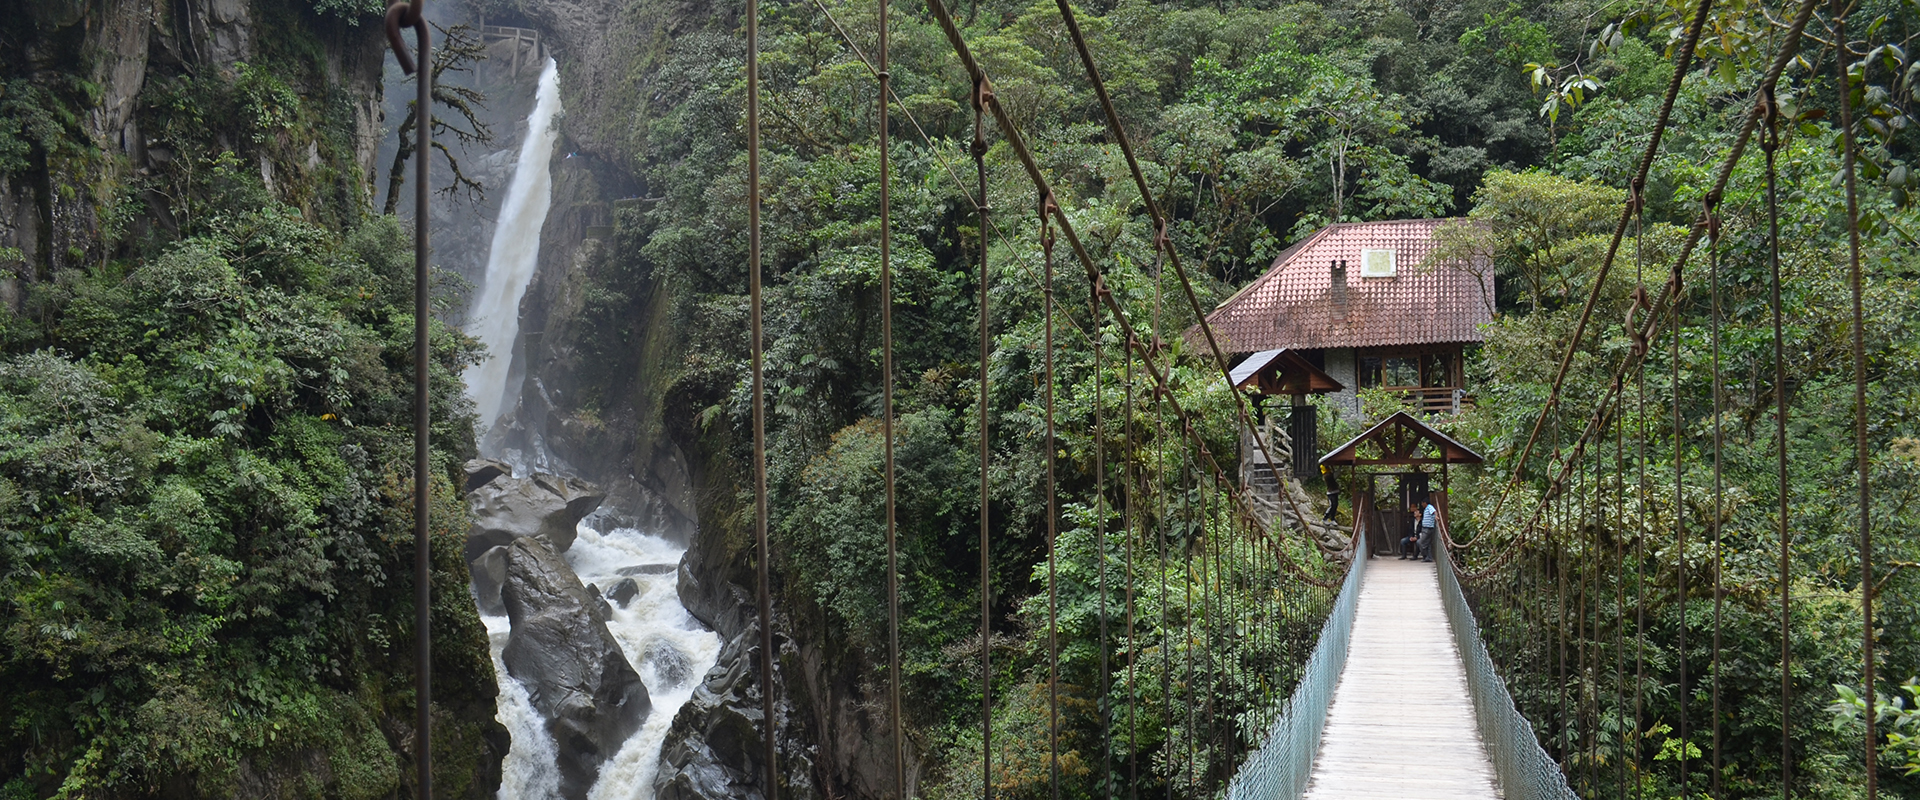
x: 669, y: 648
x: 495, y: 316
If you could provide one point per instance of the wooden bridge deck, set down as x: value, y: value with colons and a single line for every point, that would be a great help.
x: 1401, y: 725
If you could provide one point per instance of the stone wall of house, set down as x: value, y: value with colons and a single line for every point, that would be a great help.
x: 1341, y: 366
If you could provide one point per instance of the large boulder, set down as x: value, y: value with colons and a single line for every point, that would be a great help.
x: 489, y: 577
x: 506, y: 507
x: 560, y: 650
x: 713, y: 750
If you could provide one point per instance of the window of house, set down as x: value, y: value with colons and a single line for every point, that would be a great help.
x: 1389, y: 371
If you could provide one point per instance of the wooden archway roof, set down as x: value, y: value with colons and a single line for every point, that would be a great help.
x: 1400, y: 437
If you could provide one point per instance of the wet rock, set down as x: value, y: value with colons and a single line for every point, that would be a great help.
x: 506, y: 508
x: 600, y: 607
x: 481, y: 471
x: 648, y: 569
x: 713, y: 750
x: 489, y: 575
x: 574, y: 672
x: 624, y: 591
x: 671, y: 665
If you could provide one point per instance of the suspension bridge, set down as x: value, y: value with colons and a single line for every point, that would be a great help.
x: 1400, y: 693
x: 1369, y: 676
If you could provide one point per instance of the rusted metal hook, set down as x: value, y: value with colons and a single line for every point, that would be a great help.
x: 406, y: 15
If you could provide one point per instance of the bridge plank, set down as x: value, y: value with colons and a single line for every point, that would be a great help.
x: 1401, y: 724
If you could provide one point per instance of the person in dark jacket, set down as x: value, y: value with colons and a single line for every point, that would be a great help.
x: 1410, y: 543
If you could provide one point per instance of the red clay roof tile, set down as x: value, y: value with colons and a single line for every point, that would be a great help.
x: 1291, y: 306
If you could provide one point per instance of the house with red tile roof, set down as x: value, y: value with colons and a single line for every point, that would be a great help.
x: 1362, y: 302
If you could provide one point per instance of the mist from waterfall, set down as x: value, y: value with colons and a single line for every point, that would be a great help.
x: 495, y: 316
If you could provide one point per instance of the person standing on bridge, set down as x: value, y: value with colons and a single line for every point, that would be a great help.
x: 1429, y: 522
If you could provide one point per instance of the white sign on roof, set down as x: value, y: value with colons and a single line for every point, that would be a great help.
x: 1377, y: 264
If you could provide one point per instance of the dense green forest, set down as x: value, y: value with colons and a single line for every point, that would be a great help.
x: 1527, y: 118
x: 205, y: 444
x: 203, y: 462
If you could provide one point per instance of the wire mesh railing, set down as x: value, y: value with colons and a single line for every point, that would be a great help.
x: 1524, y: 770
x: 1284, y: 762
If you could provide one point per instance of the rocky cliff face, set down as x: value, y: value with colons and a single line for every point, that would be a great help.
x: 91, y: 191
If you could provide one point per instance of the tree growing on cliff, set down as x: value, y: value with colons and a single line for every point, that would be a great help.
x: 458, y: 50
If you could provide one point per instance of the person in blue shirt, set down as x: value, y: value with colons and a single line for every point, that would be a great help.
x: 1429, y: 521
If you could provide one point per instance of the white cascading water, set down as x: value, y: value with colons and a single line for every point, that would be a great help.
x: 495, y: 316
x: 669, y: 648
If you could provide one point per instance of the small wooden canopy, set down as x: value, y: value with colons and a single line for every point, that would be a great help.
x: 1282, y: 371
x: 1398, y: 439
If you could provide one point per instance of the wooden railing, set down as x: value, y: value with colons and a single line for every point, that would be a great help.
x: 1435, y: 399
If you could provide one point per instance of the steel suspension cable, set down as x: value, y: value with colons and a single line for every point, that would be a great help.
x: 886, y: 415
x: 413, y: 15
x: 1133, y: 479
x: 1719, y: 444
x: 1640, y: 509
x: 1675, y: 281
x: 1019, y: 258
x: 1683, y: 61
x: 1105, y: 706
x: 1769, y: 143
x: 1861, y: 454
x: 1619, y: 599
x: 1187, y: 486
x: 986, y: 564
x: 1680, y: 551
x: 1053, y: 514
x: 762, y: 581
x: 1160, y: 522
x: 1163, y: 243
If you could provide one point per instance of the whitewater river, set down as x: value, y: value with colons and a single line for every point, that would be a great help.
x: 670, y: 649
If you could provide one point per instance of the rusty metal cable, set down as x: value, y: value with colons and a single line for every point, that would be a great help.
x: 1861, y: 454
x: 1163, y: 243
x: 1018, y: 257
x: 979, y: 151
x: 896, y: 712
x: 1769, y: 145
x: 1719, y: 488
x: 1127, y: 521
x: 1640, y: 504
x: 1053, y: 515
x: 764, y: 548
x: 1683, y: 61
x: 413, y: 15
x: 1105, y: 706
x: 1680, y: 546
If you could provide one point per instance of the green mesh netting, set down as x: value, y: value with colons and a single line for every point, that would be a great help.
x: 1284, y: 762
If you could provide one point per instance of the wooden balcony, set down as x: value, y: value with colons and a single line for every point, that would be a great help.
x: 1435, y: 399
